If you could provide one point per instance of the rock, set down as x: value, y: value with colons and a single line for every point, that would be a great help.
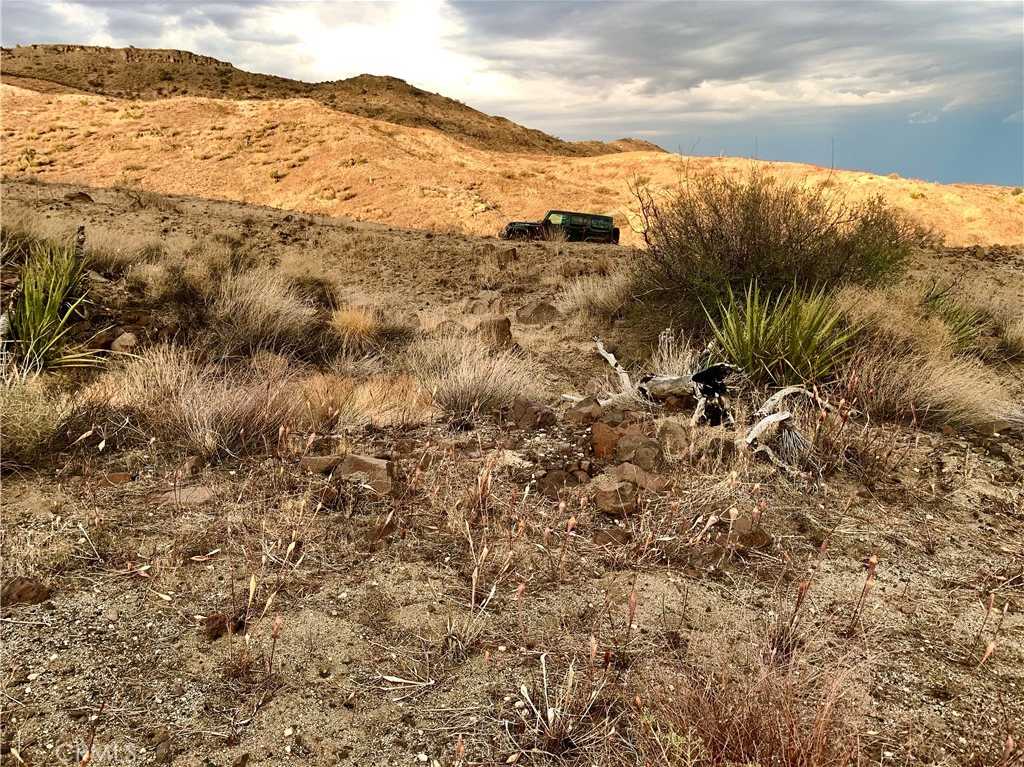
x: 613, y: 536
x: 321, y: 464
x: 552, y: 484
x: 163, y: 753
x: 613, y: 496
x: 22, y: 590
x: 191, y: 466
x: 745, y: 535
x: 604, y: 439
x: 378, y: 472
x: 528, y: 414
x: 538, y: 313
x: 495, y: 330
x: 510, y: 459
x: 218, y: 624
x: 188, y: 496
x: 77, y: 196
x: 124, y: 342
x: 675, y: 436
x: 628, y: 472
x: 585, y: 411
x: 485, y: 302
x: 643, y: 451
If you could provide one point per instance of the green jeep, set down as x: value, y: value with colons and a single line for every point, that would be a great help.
x: 564, y: 224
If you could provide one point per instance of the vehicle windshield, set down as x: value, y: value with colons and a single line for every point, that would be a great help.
x: 554, y: 218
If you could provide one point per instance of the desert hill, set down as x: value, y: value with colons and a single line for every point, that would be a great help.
x: 298, y: 154
x: 138, y: 73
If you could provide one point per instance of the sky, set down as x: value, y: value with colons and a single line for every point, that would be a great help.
x: 931, y: 90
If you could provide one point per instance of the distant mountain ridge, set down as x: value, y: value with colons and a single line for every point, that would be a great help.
x: 150, y: 73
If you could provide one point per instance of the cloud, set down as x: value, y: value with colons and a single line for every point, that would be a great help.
x: 687, y: 71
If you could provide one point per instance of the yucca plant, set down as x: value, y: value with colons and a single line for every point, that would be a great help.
x: 43, y: 310
x: 796, y: 337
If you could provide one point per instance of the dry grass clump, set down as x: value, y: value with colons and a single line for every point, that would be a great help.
x: 754, y: 710
x: 893, y: 383
x: 332, y: 401
x: 168, y: 393
x: 1011, y: 336
x: 364, y: 329
x: 893, y: 318
x: 116, y: 252
x: 260, y: 309
x: 597, y: 296
x: 465, y: 378
x: 32, y: 414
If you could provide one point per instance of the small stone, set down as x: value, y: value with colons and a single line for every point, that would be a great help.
x: 377, y: 471
x: 552, y: 484
x: 613, y: 536
x: 163, y: 753
x: 643, y: 451
x: 585, y: 411
x: 117, y: 478
x: 485, y: 302
x: 495, y: 330
x: 538, y: 313
x: 603, y: 439
x: 124, y: 342
x: 188, y: 496
x: 613, y: 496
x: 22, y: 590
x: 528, y: 414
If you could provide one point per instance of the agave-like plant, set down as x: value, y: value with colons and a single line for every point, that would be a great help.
x: 42, y: 313
x: 796, y: 337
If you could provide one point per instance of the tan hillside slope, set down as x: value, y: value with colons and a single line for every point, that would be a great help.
x: 298, y: 154
x: 141, y: 73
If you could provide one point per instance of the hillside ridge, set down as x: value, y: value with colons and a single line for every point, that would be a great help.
x: 158, y: 73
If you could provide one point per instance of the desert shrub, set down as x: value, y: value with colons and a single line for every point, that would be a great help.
x: 169, y: 394
x: 783, y: 338
x: 717, y: 231
x: 466, y: 378
x: 595, y: 296
x: 32, y: 414
x: 260, y: 309
x: 40, y: 320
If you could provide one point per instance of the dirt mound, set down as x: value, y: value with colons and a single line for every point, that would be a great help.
x: 298, y: 154
x: 148, y: 74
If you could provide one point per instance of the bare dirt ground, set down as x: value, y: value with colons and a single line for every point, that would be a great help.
x: 424, y: 625
x: 300, y: 155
